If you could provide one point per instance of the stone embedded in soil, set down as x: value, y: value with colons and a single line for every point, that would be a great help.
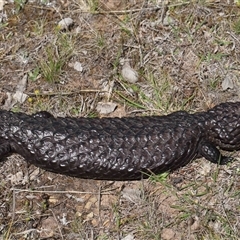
x: 48, y: 227
x: 65, y: 23
x: 128, y: 73
x: 106, y: 108
x: 168, y: 234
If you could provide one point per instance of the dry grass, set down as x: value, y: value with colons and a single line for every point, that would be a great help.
x: 183, y: 52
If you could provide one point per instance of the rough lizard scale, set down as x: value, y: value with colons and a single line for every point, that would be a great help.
x: 120, y: 148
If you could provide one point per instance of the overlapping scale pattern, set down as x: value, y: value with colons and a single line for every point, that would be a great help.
x: 119, y: 148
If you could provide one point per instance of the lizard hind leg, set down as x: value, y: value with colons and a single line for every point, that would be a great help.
x: 212, y: 154
x: 5, y: 150
x: 43, y: 114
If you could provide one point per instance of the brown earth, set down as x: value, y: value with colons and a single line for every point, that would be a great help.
x: 187, y: 57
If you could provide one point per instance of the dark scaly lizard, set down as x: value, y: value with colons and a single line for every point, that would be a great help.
x: 120, y: 148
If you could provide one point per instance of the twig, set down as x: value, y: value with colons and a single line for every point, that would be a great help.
x: 118, y: 12
x: 99, y: 204
x: 57, y: 192
x: 66, y: 93
x: 59, y: 229
x: 121, y: 12
x: 13, y: 214
x: 27, y: 232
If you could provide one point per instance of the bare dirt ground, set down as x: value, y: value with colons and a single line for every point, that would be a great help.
x: 187, y: 56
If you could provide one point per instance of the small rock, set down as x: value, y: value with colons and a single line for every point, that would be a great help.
x: 18, y: 178
x: 205, y: 169
x: 128, y: 73
x: 195, y: 225
x: 227, y: 82
x: 132, y: 195
x: 78, y: 66
x: 34, y: 175
x: 168, y: 234
x: 63, y: 220
x: 106, y: 108
x: 129, y: 237
x: 168, y: 21
x: 89, y: 216
x: 2, y: 2
x: 21, y: 87
x: 18, y: 96
x: 48, y: 227
x: 65, y: 23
